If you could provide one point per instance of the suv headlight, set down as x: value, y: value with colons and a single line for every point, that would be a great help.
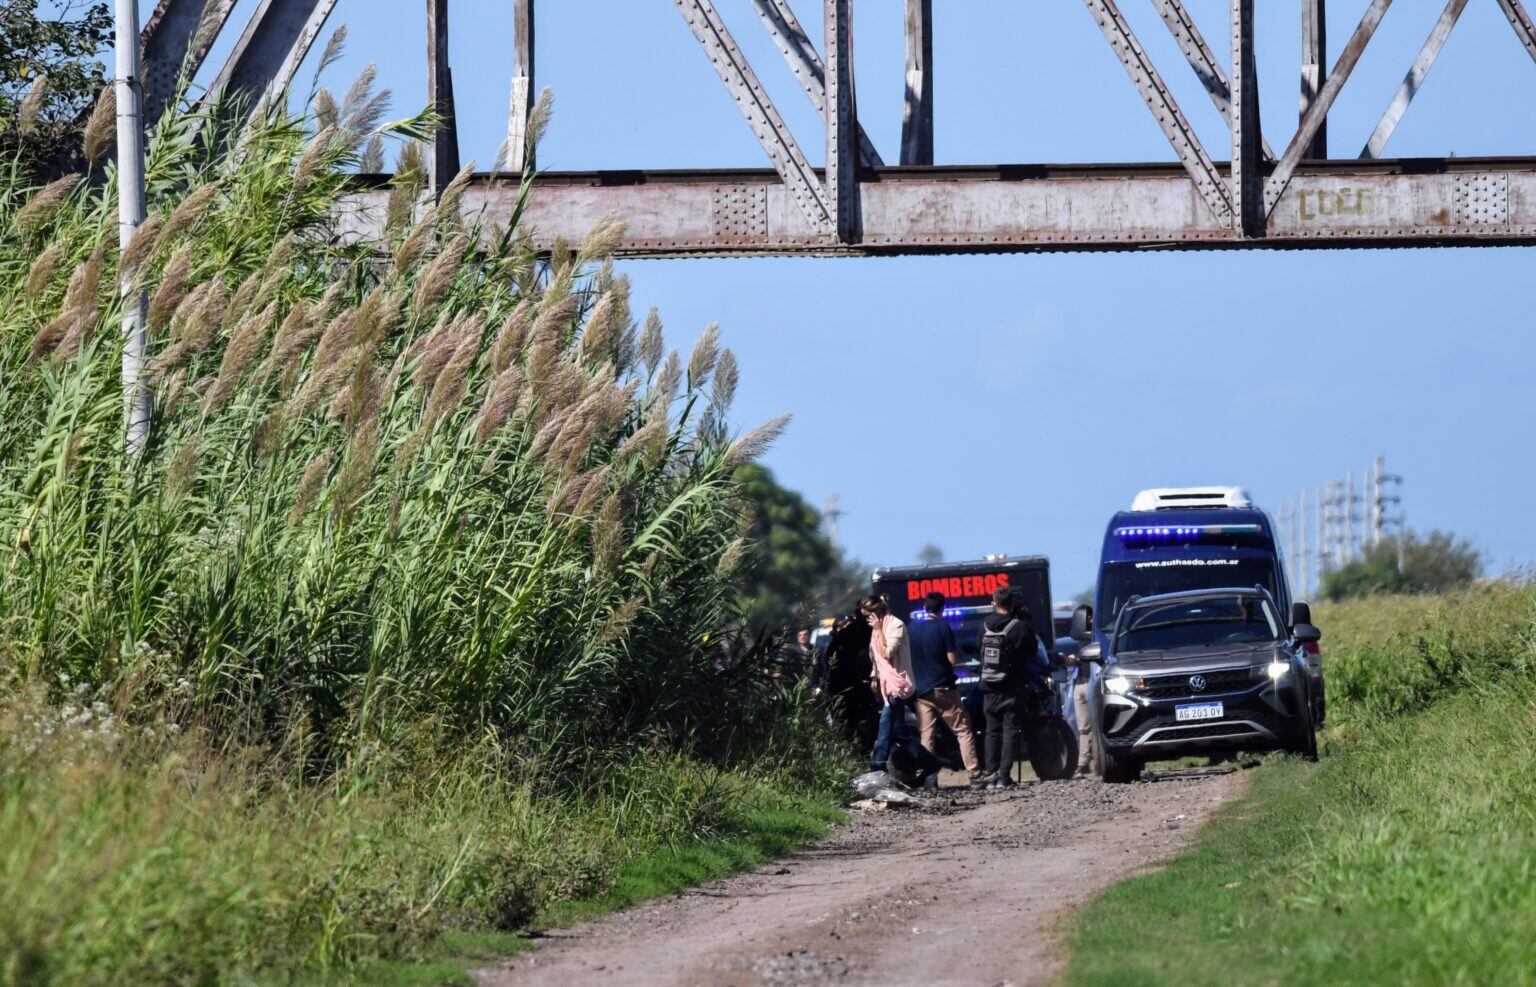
x: 1279, y: 670
x: 1117, y: 684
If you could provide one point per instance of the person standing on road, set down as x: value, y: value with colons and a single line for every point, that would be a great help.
x: 891, y: 679
x: 1012, y: 658
x: 934, y: 657
x: 1082, y: 675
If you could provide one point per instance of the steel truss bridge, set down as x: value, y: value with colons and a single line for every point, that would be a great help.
x: 1295, y: 196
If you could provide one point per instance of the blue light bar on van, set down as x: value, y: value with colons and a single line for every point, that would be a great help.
x: 1158, y: 534
x: 951, y: 613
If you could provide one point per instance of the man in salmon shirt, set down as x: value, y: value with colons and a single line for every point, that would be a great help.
x: 891, y: 679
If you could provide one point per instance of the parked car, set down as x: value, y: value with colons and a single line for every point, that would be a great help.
x: 1200, y: 672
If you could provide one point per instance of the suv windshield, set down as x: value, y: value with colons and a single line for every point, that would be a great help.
x: 1122, y: 580
x: 1209, y: 621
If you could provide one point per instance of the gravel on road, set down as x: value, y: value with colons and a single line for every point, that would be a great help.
x: 966, y: 888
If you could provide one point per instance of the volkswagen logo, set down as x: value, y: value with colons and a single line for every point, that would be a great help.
x: 1197, y: 683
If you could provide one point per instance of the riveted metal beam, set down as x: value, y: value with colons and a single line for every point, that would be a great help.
x: 842, y: 121
x: 1314, y: 69
x: 760, y: 113
x: 1202, y: 59
x: 173, y: 47
x: 805, y: 62
x: 269, y: 50
x: 1393, y: 114
x: 1335, y: 204
x: 1520, y: 20
x: 1247, y: 186
x: 917, y: 118
x: 1211, y: 185
x: 1318, y: 111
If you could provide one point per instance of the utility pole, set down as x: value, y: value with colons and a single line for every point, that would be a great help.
x: 831, y: 513
x: 1306, y: 550
x: 129, y: 88
x: 1349, y: 517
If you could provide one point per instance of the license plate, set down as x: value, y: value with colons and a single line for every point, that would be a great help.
x: 1198, y: 711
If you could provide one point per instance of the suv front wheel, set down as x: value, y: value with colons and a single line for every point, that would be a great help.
x: 1112, y: 768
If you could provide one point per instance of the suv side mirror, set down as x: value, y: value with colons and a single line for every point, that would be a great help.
x: 1306, y: 633
x: 1082, y: 624
x: 1090, y: 652
x: 1301, y: 613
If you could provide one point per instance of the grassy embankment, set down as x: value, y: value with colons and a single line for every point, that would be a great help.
x: 1407, y: 855
x: 404, y: 628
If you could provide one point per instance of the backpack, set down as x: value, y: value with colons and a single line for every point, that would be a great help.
x: 997, y: 657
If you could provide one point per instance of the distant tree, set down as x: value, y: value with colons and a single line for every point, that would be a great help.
x: 794, y: 572
x: 1432, y: 563
x: 50, y: 73
x: 930, y: 554
x: 1084, y: 598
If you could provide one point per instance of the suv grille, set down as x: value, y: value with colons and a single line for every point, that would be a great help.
x: 1216, y: 683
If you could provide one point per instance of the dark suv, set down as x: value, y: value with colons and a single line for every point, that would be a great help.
x: 1201, y: 672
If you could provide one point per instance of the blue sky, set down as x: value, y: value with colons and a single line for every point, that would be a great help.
x: 919, y: 385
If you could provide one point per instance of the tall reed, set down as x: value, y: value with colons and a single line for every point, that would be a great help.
x: 429, y: 476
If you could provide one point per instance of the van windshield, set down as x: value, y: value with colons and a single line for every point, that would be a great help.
x: 1205, y: 622
x: 1120, y: 581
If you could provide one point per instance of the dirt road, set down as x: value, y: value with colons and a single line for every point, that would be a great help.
x: 969, y: 889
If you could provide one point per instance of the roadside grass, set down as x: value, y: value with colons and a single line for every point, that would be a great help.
x: 1406, y: 855
x: 131, y: 856
x: 752, y: 838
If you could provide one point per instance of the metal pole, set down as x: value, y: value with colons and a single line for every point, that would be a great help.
x: 1247, y: 146
x: 519, y: 155
x: 129, y: 88
x: 917, y: 122
x: 842, y: 173
x: 444, y: 160
x: 1314, y: 67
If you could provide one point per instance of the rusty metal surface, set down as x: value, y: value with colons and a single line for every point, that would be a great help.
x: 1415, y: 202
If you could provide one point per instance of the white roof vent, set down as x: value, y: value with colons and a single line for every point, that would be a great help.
x: 1171, y: 498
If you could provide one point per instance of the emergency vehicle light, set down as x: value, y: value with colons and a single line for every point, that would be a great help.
x: 950, y: 613
x: 1182, y: 532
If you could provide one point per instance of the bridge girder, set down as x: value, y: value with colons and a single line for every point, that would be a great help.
x: 851, y: 206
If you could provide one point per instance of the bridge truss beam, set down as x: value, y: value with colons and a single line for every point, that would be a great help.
x: 852, y: 205
x: 1337, y: 204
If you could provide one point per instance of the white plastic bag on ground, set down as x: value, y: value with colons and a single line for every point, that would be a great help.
x: 872, y: 782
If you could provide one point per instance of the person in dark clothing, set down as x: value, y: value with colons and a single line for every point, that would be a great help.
x: 934, y: 656
x: 1013, y: 662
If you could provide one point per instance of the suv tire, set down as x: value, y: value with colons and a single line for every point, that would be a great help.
x: 1305, y: 743
x: 1112, y: 768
